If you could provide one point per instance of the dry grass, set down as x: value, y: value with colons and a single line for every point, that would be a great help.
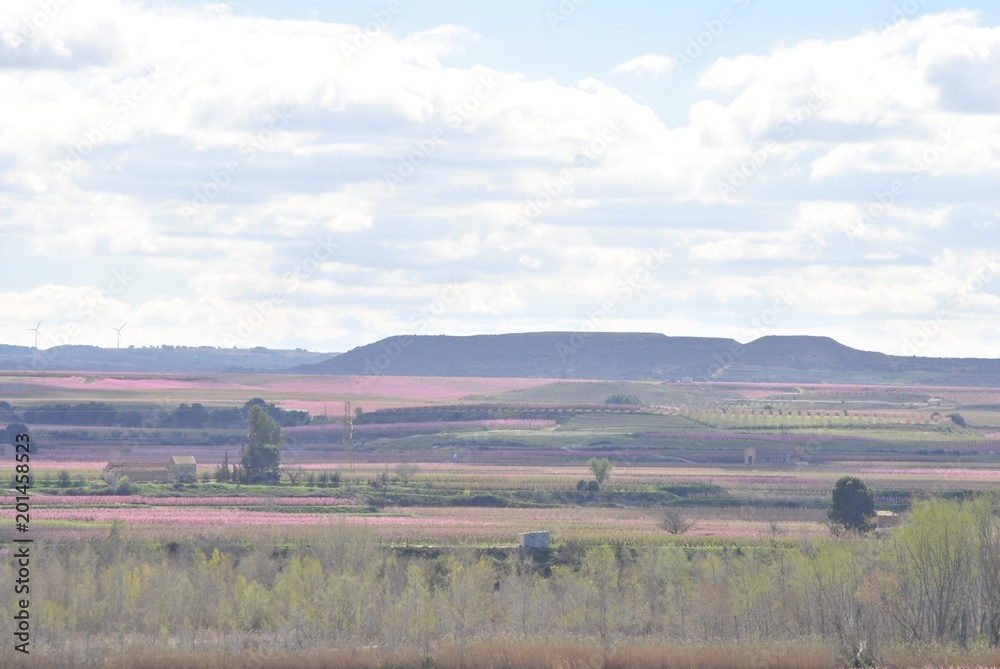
x: 923, y: 655
x: 534, y: 654
x: 495, y: 654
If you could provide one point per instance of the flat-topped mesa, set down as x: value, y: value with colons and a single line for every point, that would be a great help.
x: 647, y: 356
x: 592, y: 355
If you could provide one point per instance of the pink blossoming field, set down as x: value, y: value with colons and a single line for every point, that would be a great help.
x: 314, y: 393
x: 684, y: 437
x: 420, y: 525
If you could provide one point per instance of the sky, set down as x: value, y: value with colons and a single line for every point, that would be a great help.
x: 321, y: 175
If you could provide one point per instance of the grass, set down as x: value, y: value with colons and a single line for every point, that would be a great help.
x: 445, y: 504
x: 221, y: 653
x: 625, y: 421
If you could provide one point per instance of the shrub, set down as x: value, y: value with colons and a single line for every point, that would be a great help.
x: 123, y: 487
x: 623, y: 399
x: 958, y: 419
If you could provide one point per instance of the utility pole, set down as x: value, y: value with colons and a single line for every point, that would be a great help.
x: 349, y: 433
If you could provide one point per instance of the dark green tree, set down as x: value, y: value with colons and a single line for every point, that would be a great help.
x: 852, y: 506
x: 9, y: 434
x: 261, y: 456
x: 622, y: 399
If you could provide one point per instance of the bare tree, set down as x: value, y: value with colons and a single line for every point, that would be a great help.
x: 293, y: 474
x: 675, y: 522
x: 405, y: 471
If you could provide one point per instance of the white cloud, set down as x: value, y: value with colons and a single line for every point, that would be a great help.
x: 529, y: 261
x: 287, y: 142
x: 651, y: 63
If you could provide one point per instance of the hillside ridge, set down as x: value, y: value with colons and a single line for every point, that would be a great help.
x: 153, y: 359
x: 648, y: 356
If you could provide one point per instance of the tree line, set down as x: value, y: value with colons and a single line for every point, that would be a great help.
x: 185, y: 416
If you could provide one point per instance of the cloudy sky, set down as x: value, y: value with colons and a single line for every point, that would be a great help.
x: 321, y: 175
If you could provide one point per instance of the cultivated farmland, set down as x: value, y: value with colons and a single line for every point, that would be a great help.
x: 434, y: 478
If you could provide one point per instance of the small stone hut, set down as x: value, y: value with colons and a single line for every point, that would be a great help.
x: 767, y: 455
x: 180, y: 468
x: 536, y: 540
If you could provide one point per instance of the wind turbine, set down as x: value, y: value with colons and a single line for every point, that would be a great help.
x: 119, y: 331
x: 35, y: 330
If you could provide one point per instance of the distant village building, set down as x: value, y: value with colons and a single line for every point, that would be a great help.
x: 535, y: 540
x: 180, y: 468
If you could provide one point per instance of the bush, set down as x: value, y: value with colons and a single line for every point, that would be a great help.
x: 957, y: 419
x: 123, y: 487
x: 623, y: 399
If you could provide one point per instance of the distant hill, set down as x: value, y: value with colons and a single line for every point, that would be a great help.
x: 611, y: 356
x: 639, y: 356
x: 537, y: 354
x: 818, y: 353
x: 154, y: 359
